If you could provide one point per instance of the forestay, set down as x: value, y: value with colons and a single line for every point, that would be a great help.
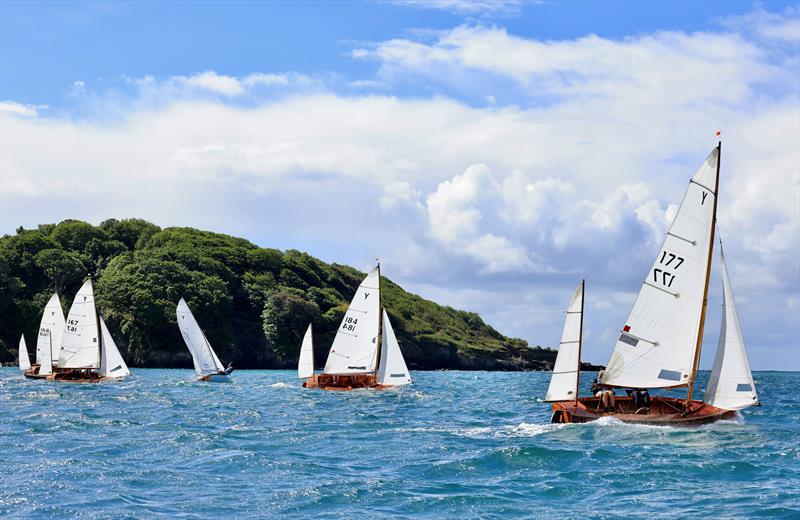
x: 355, y: 345
x: 205, y: 360
x: 730, y: 385
x: 24, y: 359
x: 80, y: 346
x: 392, y: 370
x: 656, y: 347
x: 305, y: 365
x: 564, y: 382
x: 111, y: 363
x: 51, y: 330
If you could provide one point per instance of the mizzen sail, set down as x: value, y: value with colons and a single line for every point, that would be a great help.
x: 564, y: 382
x: 392, y: 370
x: 730, y: 385
x: 656, y: 347
x: 80, y: 345
x: 205, y: 360
x: 355, y: 345
x: 305, y: 365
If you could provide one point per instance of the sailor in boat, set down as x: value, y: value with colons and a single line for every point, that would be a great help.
x: 603, y: 393
x: 640, y: 398
x: 228, y: 369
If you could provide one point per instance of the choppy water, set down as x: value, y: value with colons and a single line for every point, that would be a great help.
x: 455, y: 445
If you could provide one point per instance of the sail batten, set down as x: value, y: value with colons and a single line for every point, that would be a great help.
x: 204, y: 358
x: 730, y: 385
x: 566, y: 369
x: 354, y: 349
x: 80, y: 344
x: 658, y: 344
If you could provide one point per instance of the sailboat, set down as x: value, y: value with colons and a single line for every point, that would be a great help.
x: 88, y: 353
x: 365, y: 352
x: 51, y: 330
x: 206, y: 363
x: 22, y: 354
x: 659, y: 345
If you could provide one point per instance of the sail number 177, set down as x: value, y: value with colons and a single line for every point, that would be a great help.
x: 663, y: 276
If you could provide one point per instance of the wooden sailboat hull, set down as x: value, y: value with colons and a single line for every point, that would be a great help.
x: 76, y: 376
x: 663, y: 411
x: 215, y: 378
x: 344, y: 383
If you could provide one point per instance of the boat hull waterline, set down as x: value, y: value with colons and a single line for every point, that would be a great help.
x: 663, y: 411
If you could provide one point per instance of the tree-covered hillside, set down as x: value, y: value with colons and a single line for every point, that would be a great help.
x: 254, y: 304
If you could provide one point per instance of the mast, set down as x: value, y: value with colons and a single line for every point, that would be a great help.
x: 380, y: 325
x: 580, y: 343
x: 708, y: 278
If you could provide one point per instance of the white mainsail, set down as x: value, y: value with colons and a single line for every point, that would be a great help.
x: 51, y: 330
x: 656, y: 347
x: 24, y: 359
x: 392, y: 370
x: 305, y: 365
x: 730, y: 385
x: 205, y: 360
x: 355, y: 345
x: 80, y: 345
x: 111, y: 363
x: 564, y: 382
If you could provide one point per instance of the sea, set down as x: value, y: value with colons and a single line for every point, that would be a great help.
x: 457, y: 445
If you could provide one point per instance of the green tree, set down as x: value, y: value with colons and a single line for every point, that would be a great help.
x: 286, y: 316
x: 63, y: 268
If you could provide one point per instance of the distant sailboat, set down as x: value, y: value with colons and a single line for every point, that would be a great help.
x: 48, y: 344
x: 206, y: 363
x: 22, y: 355
x: 659, y: 346
x: 88, y: 353
x: 365, y: 352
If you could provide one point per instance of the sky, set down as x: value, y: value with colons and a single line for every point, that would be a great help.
x: 491, y: 153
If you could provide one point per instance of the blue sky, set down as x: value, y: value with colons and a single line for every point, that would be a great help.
x: 492, y: 153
